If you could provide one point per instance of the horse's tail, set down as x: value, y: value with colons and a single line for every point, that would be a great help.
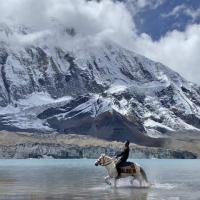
x: 144, y: 176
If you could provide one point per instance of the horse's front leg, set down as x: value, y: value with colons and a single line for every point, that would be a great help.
x: 107, y: 178
x: 140, y: 181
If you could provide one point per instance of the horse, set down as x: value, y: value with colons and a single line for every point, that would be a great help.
x: 129, y: 170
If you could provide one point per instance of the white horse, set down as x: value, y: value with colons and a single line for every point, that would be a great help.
x: 131, y: 170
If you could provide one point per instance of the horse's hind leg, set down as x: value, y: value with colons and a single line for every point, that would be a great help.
x: 139, y: 176
x: 107, y: 178
x: 140, y: 179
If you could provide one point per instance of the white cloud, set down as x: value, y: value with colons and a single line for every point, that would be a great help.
x: 103, y: 20
x: 138, y: 4
x: 178, y: 50
x: 175, y: 12
x: 183, y: 9
x: 95, y: 21
x: 194, y: 14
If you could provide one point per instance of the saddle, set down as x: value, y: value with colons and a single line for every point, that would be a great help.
x: 128, y: 167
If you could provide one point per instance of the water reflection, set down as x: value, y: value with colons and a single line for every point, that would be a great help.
x: 130, y: 193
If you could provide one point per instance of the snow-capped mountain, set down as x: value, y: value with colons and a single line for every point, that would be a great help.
x: 100, y: 89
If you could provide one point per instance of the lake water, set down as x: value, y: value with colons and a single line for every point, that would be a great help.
x: 80, y: 179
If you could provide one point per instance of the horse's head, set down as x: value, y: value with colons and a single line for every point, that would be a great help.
x: 103, y: 160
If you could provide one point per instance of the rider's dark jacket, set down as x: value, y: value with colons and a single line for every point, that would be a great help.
x: 124, y: 154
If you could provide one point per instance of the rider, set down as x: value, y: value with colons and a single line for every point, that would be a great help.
x: 123, y: 156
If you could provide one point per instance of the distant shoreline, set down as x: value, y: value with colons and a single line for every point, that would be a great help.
x: 60, y: 146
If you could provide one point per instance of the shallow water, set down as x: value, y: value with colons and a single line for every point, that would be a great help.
x: 80, y: 179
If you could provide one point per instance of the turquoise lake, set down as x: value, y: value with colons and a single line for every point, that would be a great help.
x: 79, y: 179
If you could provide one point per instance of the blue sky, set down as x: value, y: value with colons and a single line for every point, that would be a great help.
x: 158, y: 21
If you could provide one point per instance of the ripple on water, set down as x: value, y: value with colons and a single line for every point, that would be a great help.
x: 166, y: 186
x: 79, y: 179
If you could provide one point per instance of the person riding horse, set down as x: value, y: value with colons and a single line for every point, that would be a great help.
x: 123, y: 157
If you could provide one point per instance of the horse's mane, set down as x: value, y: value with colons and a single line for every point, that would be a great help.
x: 108, y: 157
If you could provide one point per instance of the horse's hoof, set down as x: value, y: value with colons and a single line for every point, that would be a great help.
x: 109, y: 183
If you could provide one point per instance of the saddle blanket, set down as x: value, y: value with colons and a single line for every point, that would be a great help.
x: 128, y: 167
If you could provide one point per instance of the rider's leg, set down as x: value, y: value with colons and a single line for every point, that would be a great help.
x: 118, y: 165
x: 118, y: 170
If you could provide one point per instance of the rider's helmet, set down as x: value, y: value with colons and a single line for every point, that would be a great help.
x: 127, y: 143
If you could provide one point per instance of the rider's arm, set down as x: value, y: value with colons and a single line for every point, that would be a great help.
x: 120, y: 154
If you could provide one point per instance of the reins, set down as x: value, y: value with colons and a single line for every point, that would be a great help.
x: 108, y: 163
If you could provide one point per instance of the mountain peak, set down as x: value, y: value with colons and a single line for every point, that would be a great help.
x: 99, y: 89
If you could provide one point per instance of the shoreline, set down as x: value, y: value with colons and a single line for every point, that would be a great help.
x: 15, y: 145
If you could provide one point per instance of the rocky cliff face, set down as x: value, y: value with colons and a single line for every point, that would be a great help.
x: 30, y: 145
x: 101, y: 90
x: 58, y: 151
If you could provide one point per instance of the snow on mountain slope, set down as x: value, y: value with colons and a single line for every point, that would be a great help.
x: 96, y: 88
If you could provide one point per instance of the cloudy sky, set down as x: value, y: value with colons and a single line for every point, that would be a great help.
x: 169, y: 32
x: 163, y: 30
